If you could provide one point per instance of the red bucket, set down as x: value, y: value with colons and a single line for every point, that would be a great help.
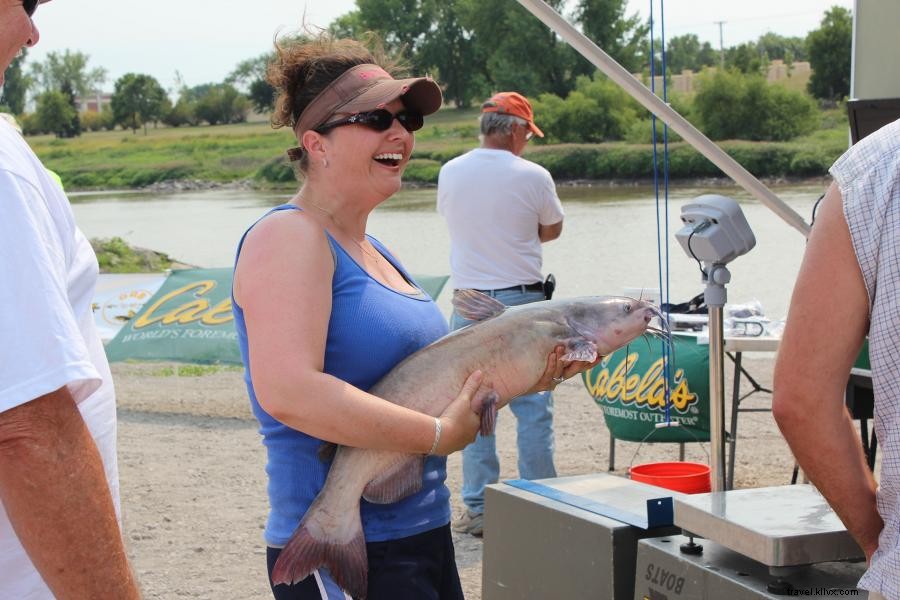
x: 685, y: 477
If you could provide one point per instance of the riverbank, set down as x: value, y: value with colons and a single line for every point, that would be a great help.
x: 193, y: 479
x: 253, y: 155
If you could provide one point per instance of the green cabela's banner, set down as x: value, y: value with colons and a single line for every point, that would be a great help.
x: 189, y: 320
x: 629, y: 388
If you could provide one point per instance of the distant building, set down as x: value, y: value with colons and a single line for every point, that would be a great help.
x: 798, y: 73
x: 93, y: 103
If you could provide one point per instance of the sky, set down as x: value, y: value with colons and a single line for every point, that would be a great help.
x: 204, y: 40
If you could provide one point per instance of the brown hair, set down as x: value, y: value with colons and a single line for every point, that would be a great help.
x: 305, y: 65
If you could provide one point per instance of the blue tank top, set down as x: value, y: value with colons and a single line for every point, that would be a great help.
x: 372, y: 328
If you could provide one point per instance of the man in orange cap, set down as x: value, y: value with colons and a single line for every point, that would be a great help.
x: 499, y: 209
x: 59, y: 535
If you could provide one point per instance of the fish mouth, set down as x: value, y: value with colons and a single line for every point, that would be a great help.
x: 663, y: 332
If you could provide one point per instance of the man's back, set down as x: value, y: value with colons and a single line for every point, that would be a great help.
x: 493, y: 202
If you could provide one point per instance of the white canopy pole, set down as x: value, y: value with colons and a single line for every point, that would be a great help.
x: 651, y: 102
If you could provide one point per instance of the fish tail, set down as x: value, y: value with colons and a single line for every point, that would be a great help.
x: 305, y: 552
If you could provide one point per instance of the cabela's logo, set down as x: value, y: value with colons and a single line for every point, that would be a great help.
x: 198, y: 309
x: 622, y: 384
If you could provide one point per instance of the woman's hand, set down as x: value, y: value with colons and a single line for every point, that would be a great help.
x: 558, y: 370
x: 459, y: 423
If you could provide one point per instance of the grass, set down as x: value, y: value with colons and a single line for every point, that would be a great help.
x: 115, y: 159
x: 226, y: 153
x: 114, y: 255
x: 191, y: 370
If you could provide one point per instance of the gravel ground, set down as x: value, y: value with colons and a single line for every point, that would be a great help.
x: 193, y: 480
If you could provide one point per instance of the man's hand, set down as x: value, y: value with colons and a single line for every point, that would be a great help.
x: 558, y: 370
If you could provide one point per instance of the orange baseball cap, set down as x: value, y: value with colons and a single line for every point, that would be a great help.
x: 515, y: 104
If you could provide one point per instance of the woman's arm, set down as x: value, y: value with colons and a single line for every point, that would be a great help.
x: 826, y: 324
x: 286, y: 261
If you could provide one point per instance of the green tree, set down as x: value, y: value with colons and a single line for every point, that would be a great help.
x: 779, y: 47
x: 250, y: 74
x: 746, y: 58
x: 54, y: 113
x: 686, y: 52
x: 221, y: 103
x: 68, y: 69
x: 15, y: 85
x: 402, y: 24
x: 518, y: 52
x: 73, y: 129
x: 450, y: 50
x: 137, y: 100
x: 622, y: 37
x: 829, y: 49
x: 348, y: 25
x: 182, y: 113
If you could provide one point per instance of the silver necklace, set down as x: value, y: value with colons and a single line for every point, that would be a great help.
x: 376, y: 255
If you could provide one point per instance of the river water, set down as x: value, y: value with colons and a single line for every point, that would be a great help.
x: 609, y: 239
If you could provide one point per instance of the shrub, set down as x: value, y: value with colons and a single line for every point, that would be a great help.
x: 732, y: 105
x: 422, y: 170
x: 276, y: 170
x: 95, y: 121
x: 596, y: 111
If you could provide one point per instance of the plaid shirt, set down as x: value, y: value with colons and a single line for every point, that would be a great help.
x: 869, y: 178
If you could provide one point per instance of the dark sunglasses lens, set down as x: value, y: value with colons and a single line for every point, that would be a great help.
x: 30, y: 6
x: 411, y: 120
x: 379, y: 120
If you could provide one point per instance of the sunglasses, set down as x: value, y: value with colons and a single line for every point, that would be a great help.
x: 30, y: 6
x: 379, y: 120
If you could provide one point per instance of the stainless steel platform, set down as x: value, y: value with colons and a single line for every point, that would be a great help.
x: 538, y: 547
x: 664, y: 572
x: 781, y: 526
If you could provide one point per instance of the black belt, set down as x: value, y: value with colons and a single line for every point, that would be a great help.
x: 525, y: 287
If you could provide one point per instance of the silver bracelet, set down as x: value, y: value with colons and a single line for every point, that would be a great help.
x: 437, y: 435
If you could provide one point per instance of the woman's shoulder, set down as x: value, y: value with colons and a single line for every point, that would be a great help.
x: 287, y: 228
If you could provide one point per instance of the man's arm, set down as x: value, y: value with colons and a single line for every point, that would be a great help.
x: 54, y: 490
x: 547, y: 233
x: 826, y: 324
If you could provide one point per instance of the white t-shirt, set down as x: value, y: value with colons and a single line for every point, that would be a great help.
x: 493, y: 202
x: 47, y: 335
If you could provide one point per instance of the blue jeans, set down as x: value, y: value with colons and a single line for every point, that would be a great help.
x: 534, y: 430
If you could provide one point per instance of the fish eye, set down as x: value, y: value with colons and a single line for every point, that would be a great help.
x: 626, y: 307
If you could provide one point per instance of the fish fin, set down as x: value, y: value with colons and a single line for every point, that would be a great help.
x: 327, y: 451
x: 475, y: 306
x: 401, y: 480
x: 488, y: 409
x: 305, y: 552
x: 583, y: 350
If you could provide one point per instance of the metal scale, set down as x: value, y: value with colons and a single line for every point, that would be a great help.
x: 602, y: 536
x: 757, y: 543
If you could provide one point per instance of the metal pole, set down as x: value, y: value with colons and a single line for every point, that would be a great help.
x: 721, y: 45
x: 716, y: 400
x: 715, y: 297
x: 646, y: 98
